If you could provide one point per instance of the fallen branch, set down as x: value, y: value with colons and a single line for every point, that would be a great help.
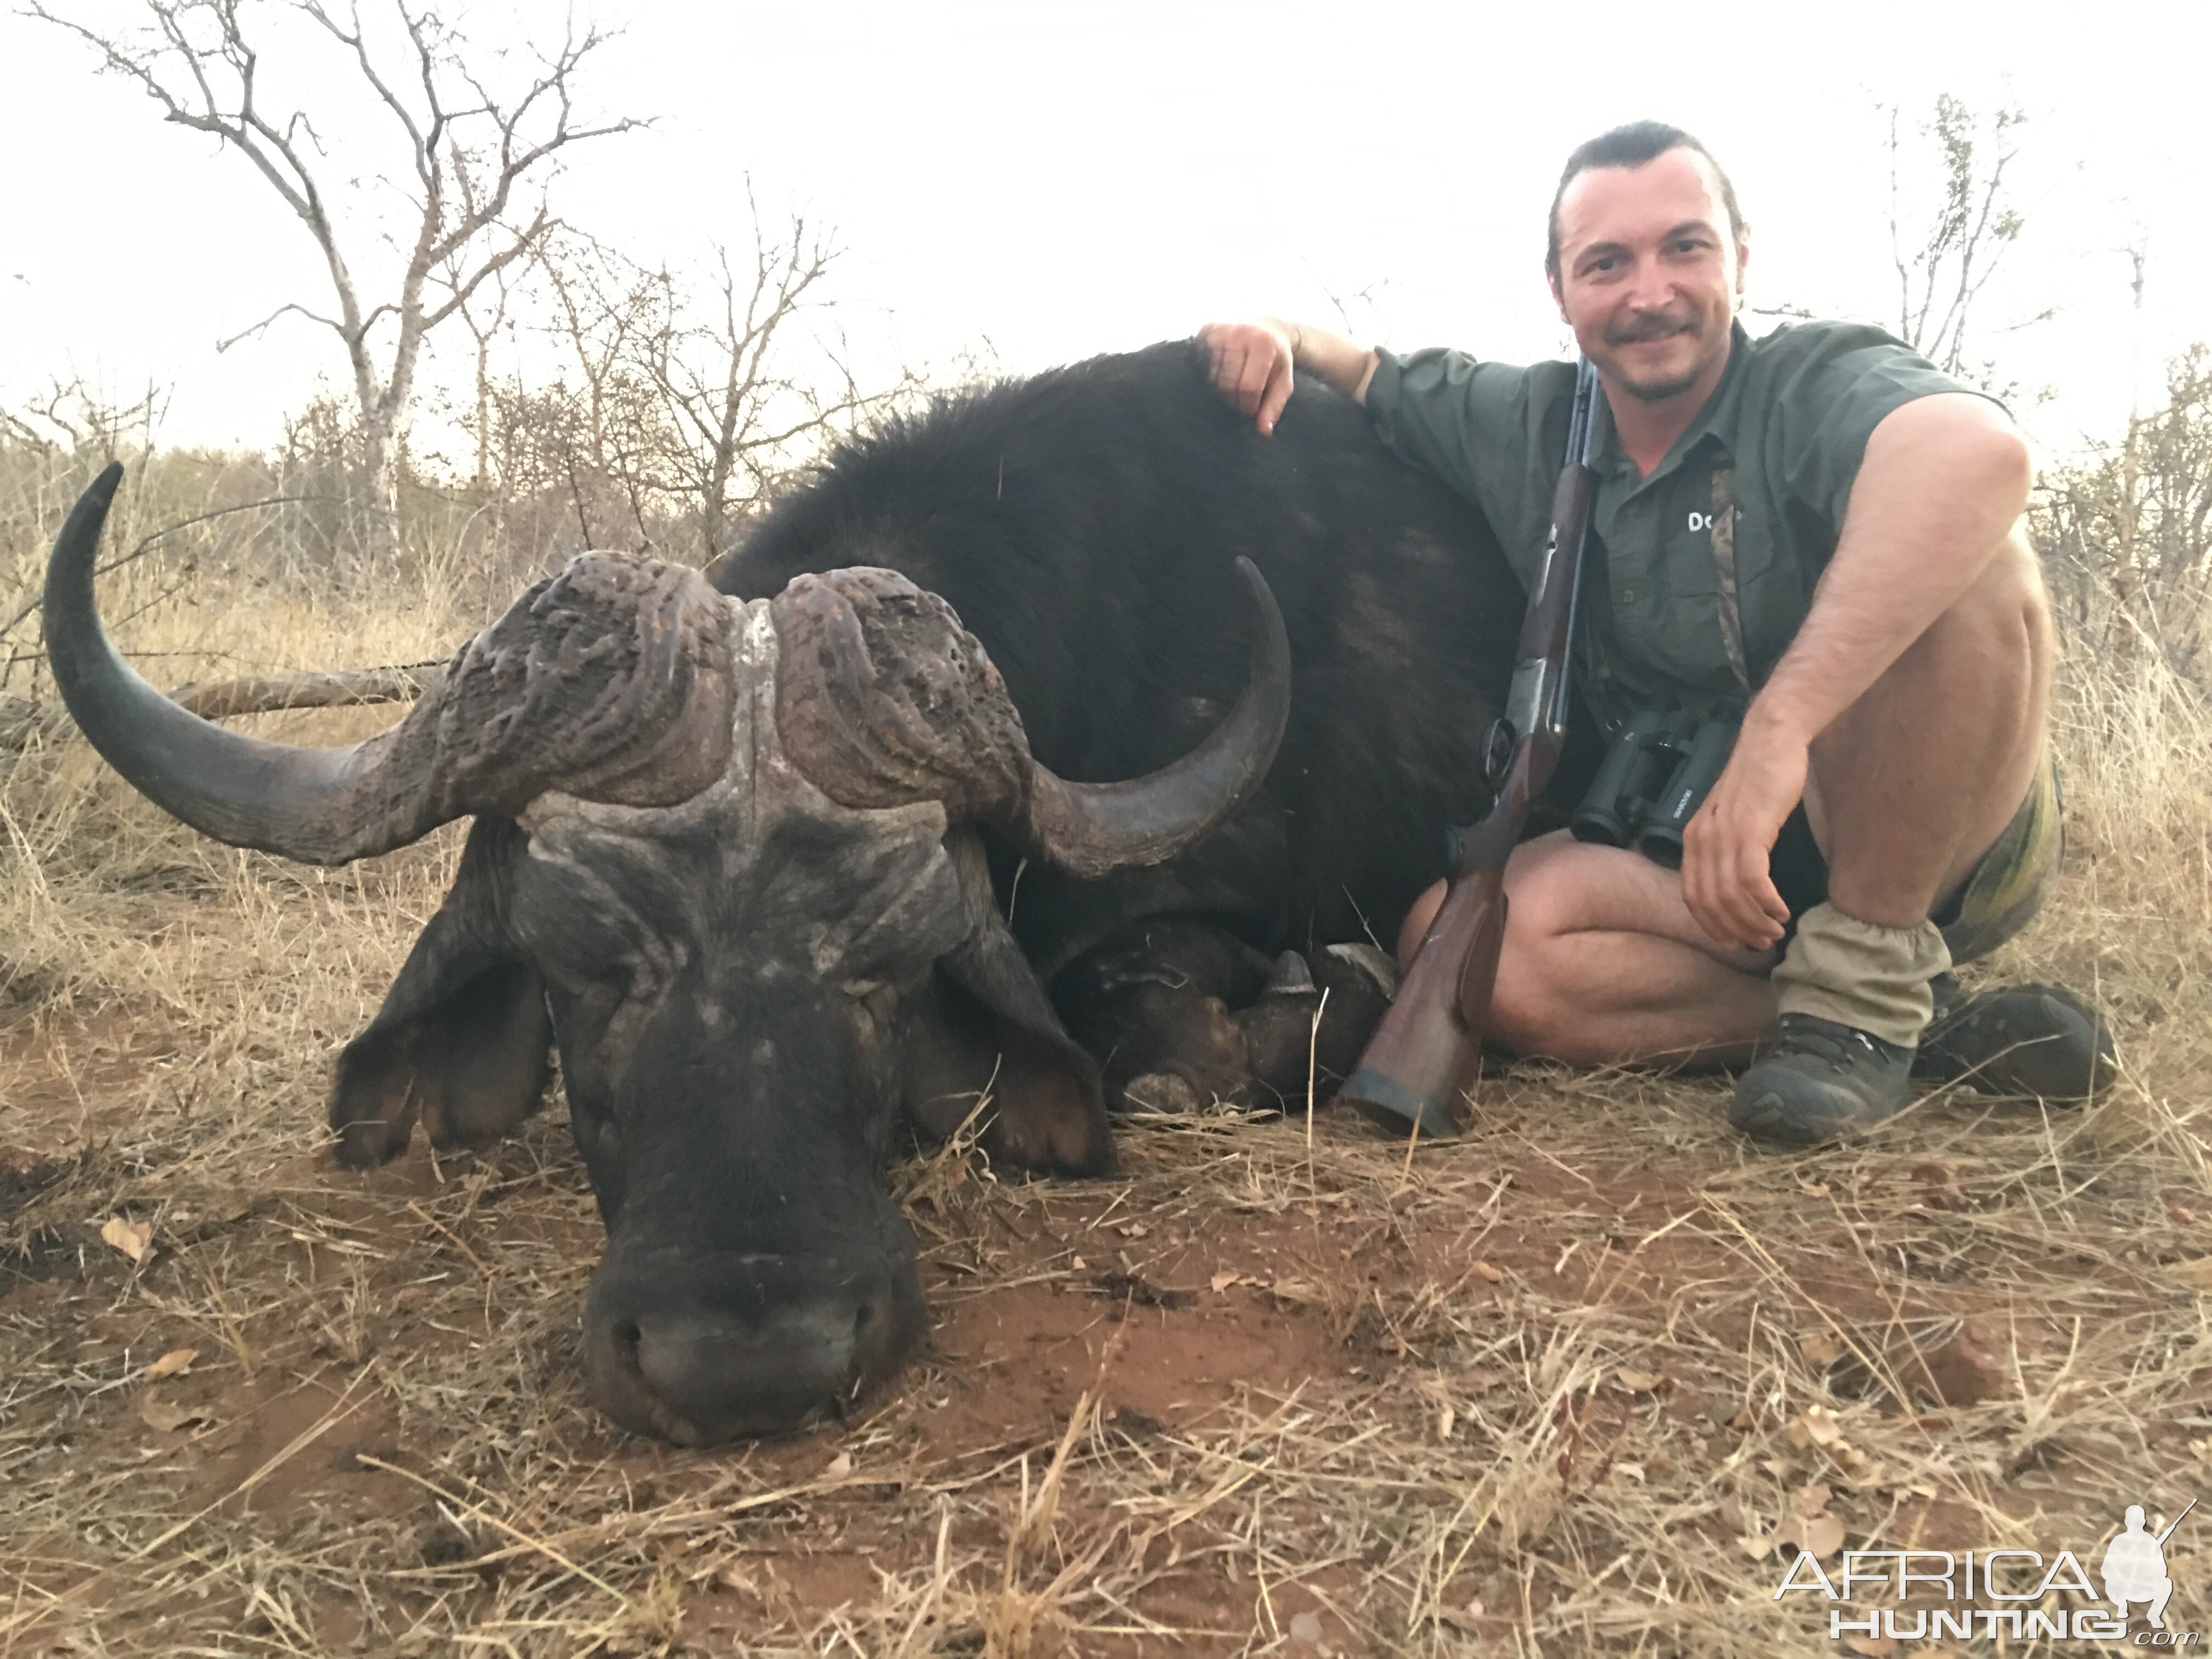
x: 23, y: 722
x: 267, y: 693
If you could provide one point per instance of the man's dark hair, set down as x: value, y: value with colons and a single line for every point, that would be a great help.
x: 1631, y: 146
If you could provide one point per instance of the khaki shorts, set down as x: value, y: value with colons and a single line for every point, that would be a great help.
x: 2002, y: 896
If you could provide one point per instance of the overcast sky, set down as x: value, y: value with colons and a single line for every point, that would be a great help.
x: 1046, y: 182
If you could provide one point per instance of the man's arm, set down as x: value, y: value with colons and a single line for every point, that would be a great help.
x: 1252, y: 363
x: 1943, y: 481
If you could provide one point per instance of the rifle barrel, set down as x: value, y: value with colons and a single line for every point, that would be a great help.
x: 1423, y: 1053
x: 2177, y: 1520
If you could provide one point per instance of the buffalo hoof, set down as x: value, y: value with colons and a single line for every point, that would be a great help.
x: 1163, y: 1092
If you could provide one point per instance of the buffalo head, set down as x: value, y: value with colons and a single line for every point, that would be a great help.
x: 727, y: 863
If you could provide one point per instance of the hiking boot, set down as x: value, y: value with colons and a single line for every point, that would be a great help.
x: 2039, y: 1040
x: 1822, y: 1081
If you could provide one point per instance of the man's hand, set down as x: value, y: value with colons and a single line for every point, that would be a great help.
x: 1251, y: 367
x: 1725, y: 847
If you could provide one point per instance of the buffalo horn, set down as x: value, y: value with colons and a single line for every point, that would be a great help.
x: 612, y: 680
x: 1093, y: 828
x: 883, y: 698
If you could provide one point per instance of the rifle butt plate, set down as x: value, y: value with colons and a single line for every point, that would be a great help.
x: 1391, y: 1106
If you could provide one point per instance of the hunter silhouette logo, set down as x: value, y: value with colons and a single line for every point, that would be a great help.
x: 2135, y: 1566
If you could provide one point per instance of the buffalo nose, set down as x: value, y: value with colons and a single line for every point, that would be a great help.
x: 697, y: 1356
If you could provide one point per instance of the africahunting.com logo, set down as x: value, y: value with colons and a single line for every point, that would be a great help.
x: 2000, y: 1592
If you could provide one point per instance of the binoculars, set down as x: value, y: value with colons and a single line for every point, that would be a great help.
x: 1654, y: 776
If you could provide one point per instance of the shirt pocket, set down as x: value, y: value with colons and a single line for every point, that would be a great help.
x: 1670, y: 620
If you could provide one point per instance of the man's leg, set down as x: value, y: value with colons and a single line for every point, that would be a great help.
x: 2161, y: 1593
x: 1918, y: 778
x: 1910, y: 787
x: 1602, y: 960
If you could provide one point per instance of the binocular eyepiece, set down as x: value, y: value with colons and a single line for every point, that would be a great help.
x: 1654, y: 776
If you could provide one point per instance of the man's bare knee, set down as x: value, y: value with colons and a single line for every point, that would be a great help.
x: 1999, y: 627
x: 1534, y: 1005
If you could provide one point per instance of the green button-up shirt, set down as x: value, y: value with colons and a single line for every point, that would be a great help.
x: 1785, y: 431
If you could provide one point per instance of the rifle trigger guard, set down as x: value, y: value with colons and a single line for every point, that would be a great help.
x: 1500, y: 740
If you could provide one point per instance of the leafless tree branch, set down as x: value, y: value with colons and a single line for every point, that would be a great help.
x: 466, y: 150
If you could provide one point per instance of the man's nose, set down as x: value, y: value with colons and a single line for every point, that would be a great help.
x: 1650, y: 287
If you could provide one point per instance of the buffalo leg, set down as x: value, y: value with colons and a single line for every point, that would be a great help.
x: 1176, y: 999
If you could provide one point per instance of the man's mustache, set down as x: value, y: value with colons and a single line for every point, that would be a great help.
x: 1653, y: 325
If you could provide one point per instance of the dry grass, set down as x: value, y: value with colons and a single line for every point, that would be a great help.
x: 1552, y: 1390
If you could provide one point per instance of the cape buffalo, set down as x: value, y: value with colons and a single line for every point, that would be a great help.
x: 748, y: 864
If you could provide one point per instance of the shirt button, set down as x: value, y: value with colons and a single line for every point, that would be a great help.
x: 1628, y: 595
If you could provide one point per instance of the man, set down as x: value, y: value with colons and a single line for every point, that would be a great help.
x: 2135, y: 1570
x: 1816, y: 530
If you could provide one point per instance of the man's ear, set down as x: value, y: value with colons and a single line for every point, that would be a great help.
x: 987, y: 1029
x: 463, y: 1041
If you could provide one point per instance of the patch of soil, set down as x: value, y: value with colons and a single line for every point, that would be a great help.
x: 424, y: 1315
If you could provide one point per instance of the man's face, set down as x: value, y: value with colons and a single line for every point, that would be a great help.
x: 1649, y: 274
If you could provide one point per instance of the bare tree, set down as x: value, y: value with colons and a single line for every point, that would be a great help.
x: 2126, y: 534
x: 470, y: 153
x: 484, y: 330
x: 1945, y: 259
x: 693, y: 396
x: 728, y: 389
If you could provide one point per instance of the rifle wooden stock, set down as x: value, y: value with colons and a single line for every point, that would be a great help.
x: 1424, y: 1055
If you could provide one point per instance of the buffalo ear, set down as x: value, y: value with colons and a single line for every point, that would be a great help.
x: 989, y: 1027
x: 463, y: 1041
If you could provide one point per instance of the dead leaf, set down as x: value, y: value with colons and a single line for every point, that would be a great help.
x: 1819, y: 1427
x: 1755, y: 1547
x: 1305, y: 1630
x: 1446, y: 1418
x: 1875, y: 1647
x: 134, y: 1239
x: 1820, y: 1350
x: 2197, y: 1275
x: 1730, y: 1513
x: 1811, y: 1499
x: 1077, y: 1263
x: 1294, y: 1289
x: 161, y: 1414
x: 174, y: 1363
x: 839, y: 1466
x: 1225, y: 1281
x: 1823, y: 1535
x: 1482, y: 1269
x: 1630, y: 1382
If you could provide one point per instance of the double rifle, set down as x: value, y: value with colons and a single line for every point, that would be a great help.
x: 1424, y: 1055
